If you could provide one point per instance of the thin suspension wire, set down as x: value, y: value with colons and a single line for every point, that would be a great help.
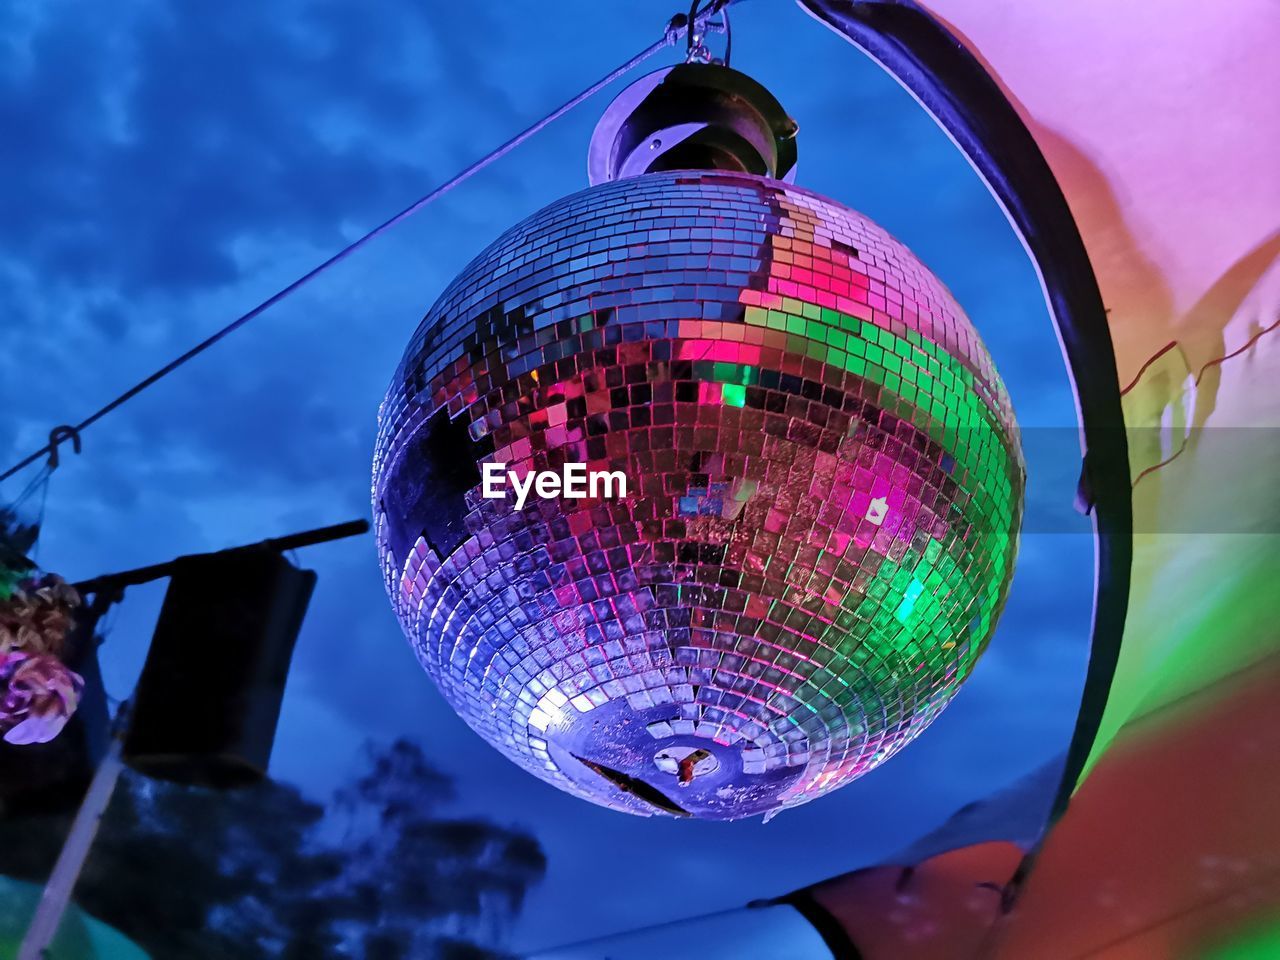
x: 669, y: 37
x: 728, y: 33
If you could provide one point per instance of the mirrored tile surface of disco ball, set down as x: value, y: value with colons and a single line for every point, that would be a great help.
x: 824, y: 492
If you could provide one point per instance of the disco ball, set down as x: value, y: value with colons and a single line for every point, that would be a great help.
x: 823, y: 492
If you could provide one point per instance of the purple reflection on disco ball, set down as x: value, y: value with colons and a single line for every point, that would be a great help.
x: 824, y: 491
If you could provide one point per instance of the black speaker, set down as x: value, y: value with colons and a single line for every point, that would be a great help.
x: 209, y: 697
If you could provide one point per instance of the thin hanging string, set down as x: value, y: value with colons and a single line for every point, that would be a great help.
x: 1173, y: 345
x: 44, y: 499
x: 674, y: 30
x: 13, y: 513
x: 39, y: 482
x: 1216, y: 361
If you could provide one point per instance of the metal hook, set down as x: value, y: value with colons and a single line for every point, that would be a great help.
x: 56, y: 436
x: 697, y: 24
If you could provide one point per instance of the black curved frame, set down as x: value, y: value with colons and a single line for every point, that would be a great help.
x: 963, y: 98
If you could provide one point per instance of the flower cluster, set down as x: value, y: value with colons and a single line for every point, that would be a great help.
x: 37, y: 615
x: 38, y: 693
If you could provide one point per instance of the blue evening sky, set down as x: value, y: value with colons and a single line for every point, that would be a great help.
x: 164, y: 166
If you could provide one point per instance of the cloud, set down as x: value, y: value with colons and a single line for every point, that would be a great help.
x: 145, y: 153
x: 174, y: 164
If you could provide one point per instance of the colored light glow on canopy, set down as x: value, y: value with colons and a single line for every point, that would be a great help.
x: 824, y: 490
